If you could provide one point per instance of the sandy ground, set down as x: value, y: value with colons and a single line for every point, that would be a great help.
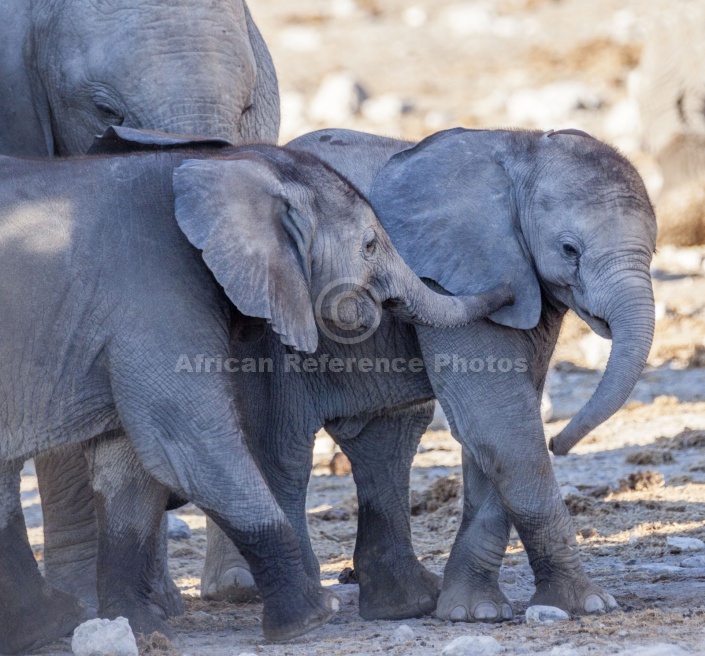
x: 639, y: 478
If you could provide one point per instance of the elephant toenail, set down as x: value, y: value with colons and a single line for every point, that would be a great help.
x: 486, y: 611
x: 335, y: 604
x: 611, y: 602
x: 594, y: 604
x: 426, y: 604
x: 458, y: 614
x: 507, y: 613
x: 243, y: 578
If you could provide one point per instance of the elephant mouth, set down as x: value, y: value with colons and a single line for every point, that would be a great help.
x: 598, y: 325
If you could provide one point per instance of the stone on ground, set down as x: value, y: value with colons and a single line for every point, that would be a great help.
x: 661, y: 649
x: 403, y: 634
x: 472, y: 646
x: 685, y: 544
x: 693, y: 561
x: 104, y: 638
x: 543, y: 614
x: 178, y: 528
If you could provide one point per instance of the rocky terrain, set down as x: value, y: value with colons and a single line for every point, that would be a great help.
x: 410, y: 68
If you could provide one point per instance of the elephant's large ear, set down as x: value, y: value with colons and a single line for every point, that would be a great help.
x: 119, y: 139
x: 256, y: 232
x: 448, y: 206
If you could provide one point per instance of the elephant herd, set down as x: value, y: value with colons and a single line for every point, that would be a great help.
x: 185, y: 304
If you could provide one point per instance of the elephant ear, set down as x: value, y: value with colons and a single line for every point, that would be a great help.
x: 448, y: 206
x: 255, y: 231
x: 119, y: 139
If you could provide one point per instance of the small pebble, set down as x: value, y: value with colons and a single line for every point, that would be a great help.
x: 661, y: 649
x: 693, y: 561
x: 685, y: 544
x: 472, y: 646
x: 403, y: 634
x: 544, y: 614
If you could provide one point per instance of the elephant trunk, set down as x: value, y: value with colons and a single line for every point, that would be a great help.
x: 409, y: 298
x: 631, y: 321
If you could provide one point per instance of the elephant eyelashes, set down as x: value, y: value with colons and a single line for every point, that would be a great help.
x: 109, y: 114
x: 570, y: 251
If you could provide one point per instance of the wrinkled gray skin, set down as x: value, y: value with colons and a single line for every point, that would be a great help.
x: 71, y: 68
x: 184, y: 238
x: 568, y: 222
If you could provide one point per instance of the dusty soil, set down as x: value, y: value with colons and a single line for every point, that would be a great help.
x: 639, y: 478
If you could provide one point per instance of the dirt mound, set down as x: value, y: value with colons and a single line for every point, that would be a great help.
x: 441, y: 493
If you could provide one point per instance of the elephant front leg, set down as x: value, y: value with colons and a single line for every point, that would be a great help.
x: 471, y: 589
x: 130, y: 509
x: 393, y: 583
x: 32, y: 613
x: 70, y: 533
x: 494, y: 411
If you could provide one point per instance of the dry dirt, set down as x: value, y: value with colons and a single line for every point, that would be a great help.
x: 639, y: 478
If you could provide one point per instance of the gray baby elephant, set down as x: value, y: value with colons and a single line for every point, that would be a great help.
x: 117, y: 268
x: 568, y: 222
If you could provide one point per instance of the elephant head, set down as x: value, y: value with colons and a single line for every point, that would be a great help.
x: 558, y: 214
x: 184, y: 66
x: 293, y: 243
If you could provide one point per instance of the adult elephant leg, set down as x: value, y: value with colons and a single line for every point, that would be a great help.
x: 32, y: 613
x: 393, y: 583
x: 195, y: 446
x: 70, y: 533
x: 494, y: 412
x: 164, y: 591
x: 130, y: 507
x: 471, y: 583
x: 226, y: 574
x: 285, y: 457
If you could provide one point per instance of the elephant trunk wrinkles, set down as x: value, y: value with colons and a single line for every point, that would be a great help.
x: 410, y: 299
x: 631, y: 320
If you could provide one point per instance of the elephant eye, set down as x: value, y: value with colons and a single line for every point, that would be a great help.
x: 371, y: 247
x: 109, y: 115
x: 570, y: 251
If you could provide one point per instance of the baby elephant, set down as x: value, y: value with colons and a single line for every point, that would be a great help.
x: 118, y: 268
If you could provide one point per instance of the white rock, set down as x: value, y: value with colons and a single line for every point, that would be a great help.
x: 685, y: 544
x: 543, y: 614
x: 178, y: 528
x: 300, y: 38
x: 596, y: 350
x: 104, y: 637
x: 660, y: 649
x: 472, y: 646
x: 383, y: 109
x: 246, y: 653
x: 403, y: 634
x: 569, y: 491
x: 564, y: 650
x: 693, y: 561
x: 415, y: 16
x: 546, y: 407
x: 550, y: 106
x: 338, y: 98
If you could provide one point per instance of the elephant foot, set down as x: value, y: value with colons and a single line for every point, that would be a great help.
x: 145, y: 618
x: 397, y: 593
x: 311, y: 608
x: 576, y: 596
x: 51, y: 616
x: 473, y: 601
x: 168, y: 597
x: 235, y: 585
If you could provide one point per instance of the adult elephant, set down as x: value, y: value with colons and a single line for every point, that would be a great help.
x: 567, y: 221
x: 69, y: 69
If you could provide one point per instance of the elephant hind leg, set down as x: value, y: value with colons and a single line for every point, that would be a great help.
x: 129, y: 506
x: 32, y: 613
x: 393, y: 583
